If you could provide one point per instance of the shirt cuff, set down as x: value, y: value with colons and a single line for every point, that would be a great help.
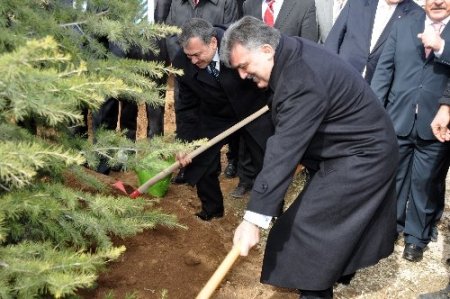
x: 260, y: 220
x: 439, y: 53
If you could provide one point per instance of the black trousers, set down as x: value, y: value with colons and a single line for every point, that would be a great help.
x: 323, y: 294
x: 208, y: 188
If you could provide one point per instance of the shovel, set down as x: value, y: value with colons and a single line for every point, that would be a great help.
x: 136, y: 193
x: 219, y: 274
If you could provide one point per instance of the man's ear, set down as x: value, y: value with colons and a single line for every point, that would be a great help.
x: 213, y: 41
x: 268, y: 50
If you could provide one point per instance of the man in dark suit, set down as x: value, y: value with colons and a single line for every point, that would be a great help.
x: 410, y: 83
x: 360, y: 31
x: 211, y: 101
x: 291, y: 17
x: 216, y: 12
x: 327, y: 118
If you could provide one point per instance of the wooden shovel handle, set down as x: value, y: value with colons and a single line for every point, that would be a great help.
x: 199, y: 150
x: 220, y: 273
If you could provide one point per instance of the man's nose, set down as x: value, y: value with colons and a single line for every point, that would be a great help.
x: 194, y: 60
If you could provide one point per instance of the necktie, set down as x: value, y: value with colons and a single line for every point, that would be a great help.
x: 212, y: 70
x: 437, y: 28
x: 268, y: 14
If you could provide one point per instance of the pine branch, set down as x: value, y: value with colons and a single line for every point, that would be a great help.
x: 35, y: 267
x: 21, y: 161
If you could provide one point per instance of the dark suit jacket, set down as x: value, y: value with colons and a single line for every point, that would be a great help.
x: 446, y: 95
x: 325, y: 116
x: 296, y: 18
x: 351, y: 34
x: 217, y: 12
x: 206, y: 107
x: 406, y: 81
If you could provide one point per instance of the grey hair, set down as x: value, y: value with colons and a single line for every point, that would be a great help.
x: 250, y: 33
x: 196, y: 27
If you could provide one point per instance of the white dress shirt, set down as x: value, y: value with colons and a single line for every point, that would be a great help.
x: 382, y: 16
x: 338, y: 5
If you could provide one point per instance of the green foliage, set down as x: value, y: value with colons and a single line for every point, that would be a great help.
x: 30, y: 268
x: 126, y: 154
x: 54, y: 62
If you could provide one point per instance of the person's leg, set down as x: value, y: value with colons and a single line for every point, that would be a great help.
x: 155, y: 116
x: 128, y: 119
x: 322, y: 294
x: 232, y: 156
x: 403, y: 179
x: 246, y: 170
x: 209, y: 193
x: 429, y: 159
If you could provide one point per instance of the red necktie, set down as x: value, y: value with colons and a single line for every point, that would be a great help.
x: 437, y: 28
x: 268, y: 14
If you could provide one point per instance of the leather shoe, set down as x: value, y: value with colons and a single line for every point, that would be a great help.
x: 434, y: 233
x: 179, y: 179
x: 203, y: 215
x: 412, y: 252
x: 240, y: 191
x: 230, y: 170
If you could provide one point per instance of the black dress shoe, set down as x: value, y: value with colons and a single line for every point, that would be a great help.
x: 434, y: 233
x: 179, y: 179
x: 230, y: 170
x: 203, y: 215
x: 240, y: 190
x: 412, y: 252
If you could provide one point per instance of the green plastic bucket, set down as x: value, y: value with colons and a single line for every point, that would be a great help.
x: 154, y: 167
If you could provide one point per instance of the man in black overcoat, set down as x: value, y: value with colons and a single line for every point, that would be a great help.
x: 209, y: 105
x: 327, y: 118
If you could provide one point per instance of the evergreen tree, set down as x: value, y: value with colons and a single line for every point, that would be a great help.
x: 54, y: 62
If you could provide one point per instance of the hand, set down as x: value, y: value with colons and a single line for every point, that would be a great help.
x: 246, y: 236
x: 440, y: 123
x: 184, y: 159
x: 431, y: 39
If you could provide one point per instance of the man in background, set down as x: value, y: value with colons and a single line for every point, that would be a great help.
x: 360, y: 31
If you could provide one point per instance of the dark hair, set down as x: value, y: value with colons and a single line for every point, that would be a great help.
x: 196, y: 27
x: 250, y: 33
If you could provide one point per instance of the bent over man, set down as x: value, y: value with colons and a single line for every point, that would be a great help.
x: 327, y: 118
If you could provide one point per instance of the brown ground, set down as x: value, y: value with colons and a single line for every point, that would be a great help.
x: 166, y: 263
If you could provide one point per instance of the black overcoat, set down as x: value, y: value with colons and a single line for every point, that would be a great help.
x: 206, y: 108
x: 327, y: 118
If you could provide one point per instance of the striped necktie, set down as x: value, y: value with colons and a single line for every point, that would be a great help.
x: 212, y: 70
x: 269, y: 18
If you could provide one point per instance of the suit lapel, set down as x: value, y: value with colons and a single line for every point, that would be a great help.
x: 400, y: 11
x: 417, y: 26
x: 369, y: 14
x: 286, y: 9
x: 204, y: 77
x: 253, y: 8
